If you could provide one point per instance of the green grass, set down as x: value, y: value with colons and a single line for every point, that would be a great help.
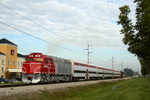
x: 133, y: 89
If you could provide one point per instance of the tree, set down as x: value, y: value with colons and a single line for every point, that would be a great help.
x: 7, y: 74
x: 137, y: 36
x: 128, y: 72
x: 143, y: 68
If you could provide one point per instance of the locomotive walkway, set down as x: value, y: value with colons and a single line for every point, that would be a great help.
x: 34, y: 89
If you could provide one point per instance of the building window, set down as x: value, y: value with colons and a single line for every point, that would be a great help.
x: 14, y: 63
x: 2, y: 62
x: 2, y: 69
x: 8, y: 62
x: 21, y: 63
x: 12, y: 52
x: 18, y: 63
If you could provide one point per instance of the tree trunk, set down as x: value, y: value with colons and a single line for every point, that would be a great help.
x: 148, y: 69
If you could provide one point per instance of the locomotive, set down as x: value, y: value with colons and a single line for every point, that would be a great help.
x: 42, y: 68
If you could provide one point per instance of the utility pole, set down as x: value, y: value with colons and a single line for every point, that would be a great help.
x: 88, y: 47
x: 113, y: 62
x: 122, y: 67
x: 112, y: 65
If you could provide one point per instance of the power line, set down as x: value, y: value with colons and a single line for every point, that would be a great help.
x: 34, y: 22
x: 100, y: 59
x: 45, y: 40
x: 101, y: 55
x: 39, y: 38
x: 105, y: 63
x: 43, y: 28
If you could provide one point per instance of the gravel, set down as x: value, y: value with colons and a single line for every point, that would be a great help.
x: 34, y: 89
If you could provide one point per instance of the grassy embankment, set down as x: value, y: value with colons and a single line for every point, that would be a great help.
x: 133, y: 89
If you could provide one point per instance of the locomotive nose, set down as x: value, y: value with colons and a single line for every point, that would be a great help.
x: 31, y: 67
x: 31, y: 72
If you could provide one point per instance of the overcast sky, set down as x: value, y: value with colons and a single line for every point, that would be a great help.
x: 65, y: 27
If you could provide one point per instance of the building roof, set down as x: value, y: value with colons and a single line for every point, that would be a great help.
x: 5, y: 41
x: 20, y: 55
x: 2, y: 53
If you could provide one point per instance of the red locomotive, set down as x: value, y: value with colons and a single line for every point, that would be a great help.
x: 43, y: 68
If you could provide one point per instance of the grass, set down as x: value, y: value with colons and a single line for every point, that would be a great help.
x: 133, y: 89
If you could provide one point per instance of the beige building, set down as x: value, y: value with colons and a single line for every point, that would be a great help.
x: 20, y: 59
x: 2, y: 64
x: 13, y: 61
x: 10, y: 50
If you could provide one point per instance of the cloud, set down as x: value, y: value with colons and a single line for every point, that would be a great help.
x: 77, y: 21
x: 69, y: 23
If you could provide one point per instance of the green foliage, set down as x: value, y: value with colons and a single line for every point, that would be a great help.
x: 7, y: 74
x: 137, y: 36
x: 128, y: 72
x: 143, y: 68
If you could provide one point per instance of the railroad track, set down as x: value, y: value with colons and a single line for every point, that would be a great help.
x: 13, y: 85
x: 28, y: 84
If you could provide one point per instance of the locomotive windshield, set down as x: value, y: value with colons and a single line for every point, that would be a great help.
x: 35, y: 59
x: 38, y: 59
x: 29, y: 59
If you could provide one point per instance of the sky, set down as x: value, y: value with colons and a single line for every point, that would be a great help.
x: 62, y: 28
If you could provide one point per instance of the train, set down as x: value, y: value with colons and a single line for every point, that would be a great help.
x: 40, y: 68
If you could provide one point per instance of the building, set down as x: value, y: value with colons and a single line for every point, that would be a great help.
x: 2, y: 64
x: 20, y: 59
x: 10, y: 50
x: 14, y: 60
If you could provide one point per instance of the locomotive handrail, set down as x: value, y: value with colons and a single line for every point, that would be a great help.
x: 31, y: 63
x: 25, y: 70
x: 36, y: 69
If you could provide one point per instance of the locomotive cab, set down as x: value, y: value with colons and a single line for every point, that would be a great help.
x: 31, y: 70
